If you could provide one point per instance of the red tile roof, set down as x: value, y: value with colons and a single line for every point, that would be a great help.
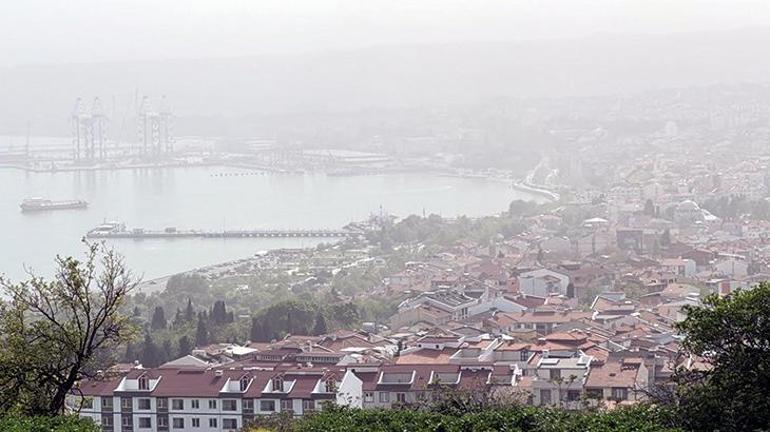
x: 613, y: 374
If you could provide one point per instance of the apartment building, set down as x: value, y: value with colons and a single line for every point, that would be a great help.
x: 168, y: 400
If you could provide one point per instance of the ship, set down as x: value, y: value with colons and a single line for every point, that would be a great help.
x: 41, y: 204
x: 107, y: 229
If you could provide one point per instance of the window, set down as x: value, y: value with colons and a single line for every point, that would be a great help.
x: 368, y: 397
x: 555, y: 374
x: 162, y: 403
x: 278, y: 384
x: 212, y: 404
x: 401, y: 397
x: 229, y: 423
x: 286, y: 405
x: 330, y: 385
x: 108, y: 421
x: 229, y: 405
x: 126, y: 421
x: 196, y: 422
x: 573, y: 395
x: 619, y: 393
x: 125, y: 403
x: 308, y: 405
x: 162, y: 422
x: 143, y: 404
x: 195, y: 404
x: 244, y: 383
x: 384, y: 397
x: 145, y: 422
x: 177, y: 404
x: 524, y: 355
x: 212, y: 422
x: 247, y: 405
x: 267, y: 405
x: 107, y: 403
x: 594, y: 393
x: 178, y: 423
x: 144, y: 383
x: 545, y: 397
x: 87, y: 403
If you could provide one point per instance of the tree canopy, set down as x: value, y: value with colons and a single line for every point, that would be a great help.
x: 55, y: 332
x: 731, y: 335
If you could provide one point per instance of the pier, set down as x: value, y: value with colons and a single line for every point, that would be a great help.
x: 172, y: 233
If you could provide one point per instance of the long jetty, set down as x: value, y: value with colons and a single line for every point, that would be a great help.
x: 138, y: 234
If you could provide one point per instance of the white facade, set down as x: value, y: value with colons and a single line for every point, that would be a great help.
x: 543, y: 282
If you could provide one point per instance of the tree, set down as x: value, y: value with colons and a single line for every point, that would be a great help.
x: 290, y: 324
x: 219, y: 313
x: 185, y: 348
x: 268, y: 331
x: 256, y: 333
x: 158, y: 321
x: 521, y: 208
x: 151, y: 355
x: 732, y: 336
x: 53, y: 331
x: 189, y: 312
x: 130, y: 355
x: 202, y: 333
x: 665, y: 238
x: 167, y: 352
x: 320, y: 325
x: 178, y: 319
x: 649, y: 208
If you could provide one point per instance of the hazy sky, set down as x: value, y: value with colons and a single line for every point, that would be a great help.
x: 55, y: 31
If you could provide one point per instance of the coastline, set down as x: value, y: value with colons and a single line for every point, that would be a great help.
x: 524, y: 187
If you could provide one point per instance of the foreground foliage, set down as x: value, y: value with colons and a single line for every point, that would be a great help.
x: 47, y: 424
x: 512, y: 419
x: 58, y: 332
x: 729, y: 391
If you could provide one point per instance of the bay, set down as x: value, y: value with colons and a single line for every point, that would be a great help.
x: 214, y: 198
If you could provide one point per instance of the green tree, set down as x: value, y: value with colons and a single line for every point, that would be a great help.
x: 665, y: 238
x: 201, y: 333
x: 167, y: 351
x: 732, y: 335
x: 219, y: 313
x: 185, y: 348
x: 257, y: 333
x: 649, y: 208
x: 320, y: 325
x: 151, y: 355
x: 130, y: 355
x: 53, y: 331
x: 178, y: 319
x: 189, y: 313
x: 268, y: 330
x: 158, y: 321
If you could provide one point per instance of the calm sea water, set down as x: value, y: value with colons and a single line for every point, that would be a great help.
x: 199, y: 198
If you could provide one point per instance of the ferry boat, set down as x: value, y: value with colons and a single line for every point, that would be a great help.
x: 40, y: 204
x: 107, y: 229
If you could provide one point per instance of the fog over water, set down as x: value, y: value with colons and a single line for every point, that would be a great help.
x: 201, y: 198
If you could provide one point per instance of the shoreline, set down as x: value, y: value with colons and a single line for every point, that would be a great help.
x: 545, y: 193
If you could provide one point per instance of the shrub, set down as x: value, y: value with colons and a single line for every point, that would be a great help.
x: 511, y: 419
x: 68, y: 423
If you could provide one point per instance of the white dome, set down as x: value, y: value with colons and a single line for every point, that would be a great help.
x: 687, y: 205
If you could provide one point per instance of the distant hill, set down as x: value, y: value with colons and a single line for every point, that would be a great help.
x: 214, y: 90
